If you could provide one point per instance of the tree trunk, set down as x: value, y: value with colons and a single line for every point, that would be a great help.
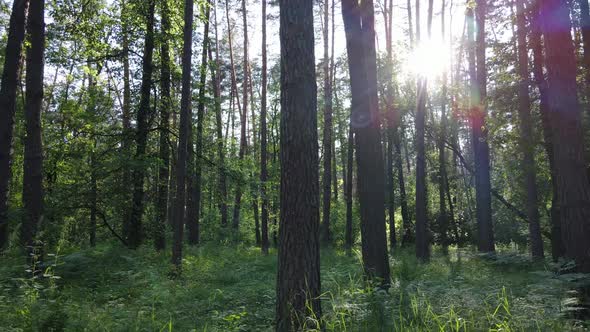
x: 194, y: 211
x: 391, y: 115
x: 33, y: 157
x: 185, y: 118
x: 422, y: 234
x: 134, y: 228
x: 327, y: 140
x: 568, y: 143
x: 557, y: 248
x: 442, y: 160
x: 349, y: 241
x: 298, y: 282
x: 477, y: 73
x: 216, y: 77
x: 127, y: 132
x: 243, y: 120
x: 527, y: 135
x: 93, y: 195
x: 359, y: 26
x: 8, y: 90
x: 585, y: 27
x: 164, y: 153
x: 263, y: 140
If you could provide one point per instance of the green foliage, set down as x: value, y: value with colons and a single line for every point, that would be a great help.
x: 226, y: 288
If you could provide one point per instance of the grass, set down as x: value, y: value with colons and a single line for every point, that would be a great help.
x: 225, y: 288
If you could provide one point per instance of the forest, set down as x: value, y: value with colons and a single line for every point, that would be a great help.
x: 294, y: 165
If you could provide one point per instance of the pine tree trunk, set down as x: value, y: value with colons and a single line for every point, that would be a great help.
x: 193, y: 222
x: 422, y: 234
x: 185, y: 119
x: 33, y: 156
x: 164, y: 153
x: 243, y: 120
x: 568, y: 143
x: 349, y: 241
x: 360, y: 44
x: 263, y: 140
x: 298, y: 281
x: 327, y: 140
x: 557, y: 248
x: 442, y: 160
x: 527, y: 135
x: 134, y: 232
x: 391, y: 116
x: 8, y: 90
x: 585, y: 27
x: 127, y: 132
x: 479, y: 139
x: 216, y: 77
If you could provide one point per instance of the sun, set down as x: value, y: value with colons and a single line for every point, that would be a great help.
x: 429, y: 59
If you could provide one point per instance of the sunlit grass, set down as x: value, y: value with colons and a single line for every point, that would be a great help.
x: 225, y: 288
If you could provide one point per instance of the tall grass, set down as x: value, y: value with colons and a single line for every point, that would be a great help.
x: 232, y: 288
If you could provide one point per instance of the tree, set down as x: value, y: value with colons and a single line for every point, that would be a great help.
x: 263, y: 140
x: 391, y: 116
x: 348, y: 240
x: 33, y: 163
x: 298, y: 282
x: 557, y: 249
x: 479, y: 133
x: 359, y: 26
x: 185, y: 119
x: 442, y: 172
x: 165, y: 106
x: 216, y: 77
x: 422, y: 234
x: 527, y: 135
x: 8, y: 88
x: 133, y: 229
x: 568, y: 143
x: 585, y: 27
x: 243, y: 118
x: 327, y: 139
x: 193, y: 222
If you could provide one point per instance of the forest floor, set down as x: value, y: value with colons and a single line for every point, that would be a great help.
x: 228, y: 288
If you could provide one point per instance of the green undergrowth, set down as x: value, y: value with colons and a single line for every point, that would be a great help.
x: 232, y: 288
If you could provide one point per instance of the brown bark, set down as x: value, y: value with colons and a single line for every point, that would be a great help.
x: 133, y: 232
x: 185, y: 119
x: 8, y: 91
x: 359, y: 25
x: 585, y: 27
x: 195, y: 211
x: 392, y: 116
x: 557, y: 249
x: 568, y: 143
x: 298, y: 282
x: 477, y: 74
x: 527, y: 135
x: 422, y: 233
x: 127, y: 132
x: 442, y: 160
x: 164, y: 153
x: 33, y: 156
x: 263, y: 140
x: 327, y: 139
x: 216, y: 78
x: 349, y: 241
x: 243, y: 119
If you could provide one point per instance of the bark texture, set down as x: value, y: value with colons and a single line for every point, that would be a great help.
x: 298, y: 282
x: 8, y: 89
